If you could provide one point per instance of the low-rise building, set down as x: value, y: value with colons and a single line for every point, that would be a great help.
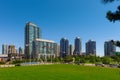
x: 44, y: 49
x: 3, y: 57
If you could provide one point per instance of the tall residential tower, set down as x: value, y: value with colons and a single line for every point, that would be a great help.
x: 109, y: 48
x: 78, y: 46
x: 91, y: 47
x: 4, y: 49
x: 64, y: 47
x: 32, y: 32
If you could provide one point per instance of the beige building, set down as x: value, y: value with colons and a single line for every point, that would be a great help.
x: 11, y: 49
x: 58, y: 51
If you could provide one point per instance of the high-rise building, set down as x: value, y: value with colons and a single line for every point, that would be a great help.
x: 78, y: 46
x: 91, y: 47
x: 64, y: 47
x: 12, y: 53
x: 4, y: 49
x: 32, y: 32
x: 11, y: 49
x: 109, y: 48
x: 71, y: 49
x: 58, y: 51
x: 44, y: 48
x: 21, y: 50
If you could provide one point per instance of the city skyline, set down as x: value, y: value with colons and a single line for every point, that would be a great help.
x: 57, y: 19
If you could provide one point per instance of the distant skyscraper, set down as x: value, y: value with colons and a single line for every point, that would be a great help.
x: 78, y: 46
x: 109, y: 48
x: 58, y: 51
x: 12, y: 52
x: 11, y: 49
x: 64, y: 47
x: 71, y: 49
x: 32, y: 32
x: 4, y: 49
x: 21, y: 50
x: 91, y: 47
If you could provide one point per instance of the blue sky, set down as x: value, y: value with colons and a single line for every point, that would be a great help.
x: 57, y: 19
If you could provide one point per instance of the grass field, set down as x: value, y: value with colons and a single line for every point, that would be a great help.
x: 59, y: 72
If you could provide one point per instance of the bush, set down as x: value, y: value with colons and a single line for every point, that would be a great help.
x: 106, y: 60
x: 2, y: 62
x: 17, y: 61
x: 18, y: 64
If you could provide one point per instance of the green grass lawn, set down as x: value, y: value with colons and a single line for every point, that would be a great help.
x: 59, y: 72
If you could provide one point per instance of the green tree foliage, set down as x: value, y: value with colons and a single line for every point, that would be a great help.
x: 117, y: 43
x: 56, y: 59
x: 108, y: 1
x: 92, y: 59
x: 68, y: 59
x: 2, y: 62
x: 98, y: 59
x: 116, y: 58
x: 77, y: 58
x: 112, y: 16
x: 106, y: 60
x: 82, y: 60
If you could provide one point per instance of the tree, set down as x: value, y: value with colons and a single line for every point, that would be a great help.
x: 68, y: 59
x: 56, y: 59
x: 112, y: 16
x: 92, y: 59
x: 106, y: 60
x: 107, y: 1
x: 98, y: 59
x: 116, y: 58
x: 116, y: 43
x: 82, y: 59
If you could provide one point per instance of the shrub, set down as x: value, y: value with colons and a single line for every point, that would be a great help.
x: 2, y: 62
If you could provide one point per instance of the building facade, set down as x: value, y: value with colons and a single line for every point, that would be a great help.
x: 32, y: 32
x: 4, y: 49
x: 3, y: 57
x: 78, y: 46
x: 64, y: 47
x: 21, y: 50
x: 71, y: 49
x: 12, y: 53
x: 91, y: 48
x: 11, y: 49
x: 109, y: 48
x: 44, y: 49
x: 58, y: 51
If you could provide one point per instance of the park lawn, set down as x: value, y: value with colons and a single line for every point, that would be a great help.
x: 59, y: 72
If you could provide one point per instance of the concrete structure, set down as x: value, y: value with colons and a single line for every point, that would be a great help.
x: 21, y: 50
x: 109, y: 48
x: 32, y: 32
x: 58, y: 51
x: 11, y: 49
x: 3, y: 57
x: 12, y: 53
x: 91, y: 47
x: 4, y: 49
x: 64, y: 47
x: 71, y: 49
x: 44, y: 49
x: 78, y: 46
